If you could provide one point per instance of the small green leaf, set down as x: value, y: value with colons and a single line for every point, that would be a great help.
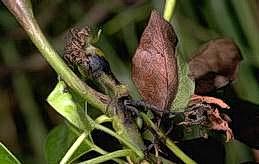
x: 60, y: 140
x: 6, y: 157
x: 185, y: 88
x: 237, y: 152
x: 148, y: 135
x: 64, y: 103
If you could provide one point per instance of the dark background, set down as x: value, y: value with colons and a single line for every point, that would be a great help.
x: 26, y: 79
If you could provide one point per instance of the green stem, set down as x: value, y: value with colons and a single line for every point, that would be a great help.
x: 94, y: 147
x: 23, y: 13
x: 178, y: 152
x: 103, y: 152
x: 175, y: 149
x: 121, y: 139
x: 109, y: 156
x: 168, y: 13
x: 103, y: 118
x: 73, y: 148
x: 169, y: 9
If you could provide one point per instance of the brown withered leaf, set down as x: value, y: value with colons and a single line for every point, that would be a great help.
x: 196, y: 99
x: 154, y: 65
x: 214, y: 65
x: 207, y: 112
x: 218, y: 123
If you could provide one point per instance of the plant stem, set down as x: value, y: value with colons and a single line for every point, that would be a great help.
x: 178, y: 152
x: 103, y: 152
x: 121, y: 139
x: 109, y: 156
x: 23, y: 13
x: 73, y: 148
x: 168, y: 13
x: 22, y: 10
x: 175, y: 149
x: 103, y: 118
x: 94, y: 147
x: 169, y: 9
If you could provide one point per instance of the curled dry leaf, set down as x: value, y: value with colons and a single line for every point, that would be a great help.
x: 154, y: 66
x: 88, y: 62
x: 214, y: 65
x: 219, y: 124
x: 204, y: 110
x: 196, y: 99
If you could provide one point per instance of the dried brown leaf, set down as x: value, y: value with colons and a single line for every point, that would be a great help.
x: 214, y: 65
x: 154, y: 66
x: 204, y: 110
x: 196, y: 99
x: 219, y: 124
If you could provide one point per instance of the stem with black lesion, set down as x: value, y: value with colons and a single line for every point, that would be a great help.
x: 23, y: 13
x: 168, y: 142
x: 22, y: 10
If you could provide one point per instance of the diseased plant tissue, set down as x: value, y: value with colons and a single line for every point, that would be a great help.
x: 155, y: 73
x: 174, y: 109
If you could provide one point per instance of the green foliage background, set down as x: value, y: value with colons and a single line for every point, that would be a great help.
x: 26, y: 79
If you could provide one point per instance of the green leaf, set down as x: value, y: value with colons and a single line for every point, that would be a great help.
x: 148, y: 135
x: 186, y: 86
x: 6, y: 157
x: 60, y: 140
x: 70, y: 106
x: 237, y: 152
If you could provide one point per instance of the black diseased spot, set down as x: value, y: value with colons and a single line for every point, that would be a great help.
x: 192, y: 116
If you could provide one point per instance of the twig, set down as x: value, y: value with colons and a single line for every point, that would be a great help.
x: 169, y: 9
x: 106, y: 157
x: 121, y: 139
x: 169, y: 143
x: 21, y: 9
x: 73, y: 148
x: 94, y: 147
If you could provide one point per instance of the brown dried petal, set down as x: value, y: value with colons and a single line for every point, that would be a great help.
x: 214, y: 65
x: 219, y: 124
x: 154, y: 67
x: 204, y: 110
x: 196, y: 99
x: 75, y: 42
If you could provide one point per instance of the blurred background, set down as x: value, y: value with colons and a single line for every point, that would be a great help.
x: 26, y: 79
